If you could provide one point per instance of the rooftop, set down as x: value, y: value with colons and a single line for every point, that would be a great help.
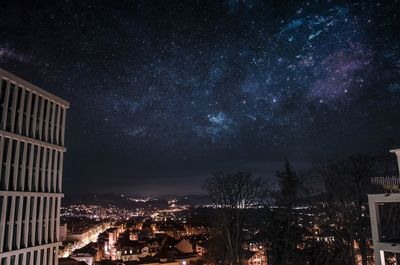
x: 21, y: 82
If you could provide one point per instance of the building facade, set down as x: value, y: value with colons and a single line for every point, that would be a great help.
x: 32, y: 125
x: 383, y: 242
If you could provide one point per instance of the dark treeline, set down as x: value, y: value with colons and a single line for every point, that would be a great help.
x: 323, y: 222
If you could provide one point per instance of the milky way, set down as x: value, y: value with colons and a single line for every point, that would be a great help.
x: 163, y: 93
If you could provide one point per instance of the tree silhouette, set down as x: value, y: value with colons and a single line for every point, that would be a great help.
x: 232, y: 195
x: 282, y: 231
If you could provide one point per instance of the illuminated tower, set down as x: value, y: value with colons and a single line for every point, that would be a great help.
x: 32, y: 125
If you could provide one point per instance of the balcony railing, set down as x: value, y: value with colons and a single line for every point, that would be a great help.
x: 389, y: 184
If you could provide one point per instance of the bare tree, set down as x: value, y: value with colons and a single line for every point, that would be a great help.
x: 347, y: 183
x: 232, y: 194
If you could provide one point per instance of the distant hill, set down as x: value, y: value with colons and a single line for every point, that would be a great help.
x: 131, y: 202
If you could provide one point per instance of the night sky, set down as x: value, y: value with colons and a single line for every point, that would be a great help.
x: 163, y: 93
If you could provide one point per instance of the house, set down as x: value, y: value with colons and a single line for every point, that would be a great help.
x: 83, y: 257
x: 255, y: 258
x: 153, y: 246
x: 200, y: 249
x: 110, y: 262
x: 70, y: 261
x: 87, y: 254
x: 184, y: 246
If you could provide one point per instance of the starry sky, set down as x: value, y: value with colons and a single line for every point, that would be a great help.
x: 164, y: 93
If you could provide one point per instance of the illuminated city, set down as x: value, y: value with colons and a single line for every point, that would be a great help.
x: 202, y: 132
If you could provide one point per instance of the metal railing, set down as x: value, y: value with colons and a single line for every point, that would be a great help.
x: 389, y: 183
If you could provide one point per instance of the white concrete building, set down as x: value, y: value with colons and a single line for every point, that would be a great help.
x: 63, y: 232
x: 32, y: 125
x: 382, y: 243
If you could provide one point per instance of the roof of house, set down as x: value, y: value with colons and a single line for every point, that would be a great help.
x: 67, y: 261
x: 89, y: 249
